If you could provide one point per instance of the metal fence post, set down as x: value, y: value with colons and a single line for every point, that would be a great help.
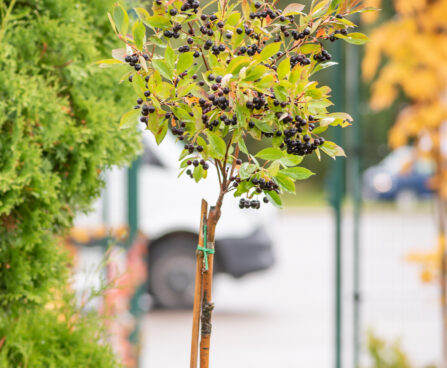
x: 336, y: 190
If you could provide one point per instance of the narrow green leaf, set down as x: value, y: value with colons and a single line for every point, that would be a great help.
x: 269, y: 50
x: 217, y: 146
x: 274, y: 198
x: 246, y: 170
x: 242, y: 146
x: 170, y: 57
x: 161, y: 66
x: 158, y: 21
x: 297, y: 173
x: 185, y: 61
x: 197, y: 173
x: 285, y: 183
x: 332, y: 149
x: 283, y: 68
x: 138, y: 32
x: 107, y: 63
x: 263, y: 126
x: 130, y: 119
x: 138, y: 85
x: 142, y: 13
x: 355, y: 38
x: 291, y: 160
x: 121, y: 19
x: 270, y: 154
x: 158, y: 126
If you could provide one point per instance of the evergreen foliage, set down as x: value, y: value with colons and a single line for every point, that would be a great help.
x: 58, y: 131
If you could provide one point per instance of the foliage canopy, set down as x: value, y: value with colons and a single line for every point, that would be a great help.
x: 244, y: 72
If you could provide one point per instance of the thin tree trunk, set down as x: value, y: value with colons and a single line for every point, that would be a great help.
x: 198, y: 289
x: 207, y: 304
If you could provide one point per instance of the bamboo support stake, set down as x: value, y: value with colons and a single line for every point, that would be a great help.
x: 207, y: 304
x: 198, y: 290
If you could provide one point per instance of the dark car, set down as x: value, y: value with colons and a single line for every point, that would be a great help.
x: 400, y: 176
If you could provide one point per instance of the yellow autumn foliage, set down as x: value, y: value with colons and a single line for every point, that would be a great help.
x: 407, y: 56
x: 414, y: 47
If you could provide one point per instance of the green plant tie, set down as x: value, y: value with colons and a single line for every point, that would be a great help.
x: 205, y: 250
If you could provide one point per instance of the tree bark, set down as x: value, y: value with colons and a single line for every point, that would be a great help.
x: 198, y: 289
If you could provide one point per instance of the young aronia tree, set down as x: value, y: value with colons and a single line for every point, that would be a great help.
x: 214, y: 79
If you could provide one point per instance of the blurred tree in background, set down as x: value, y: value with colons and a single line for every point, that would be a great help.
x: 58, y: 132
x: 413, y: 45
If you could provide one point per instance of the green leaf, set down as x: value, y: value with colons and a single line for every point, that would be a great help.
x: 332, y: 149
x: 197, y: 173
x: 243, y: 187
x: 202, y: 142
x: 112, y: 22
x: 319, y: 130
x: 334, y: 4
x: 217, y: 146
x: 130, y: 119
x: 158, y: 21
x: 121, y: 19
x: 355, y: 38
x: 170, y: 57
x: 291, y: 160
x: 285, y: 183
x: 185, y: 61
x: 237, y: 64
x: 270, y: 154
x: 233, y: 19
x: 263, y: 126
x: 310, y: 48
x: 158, y: 127
x: 142, y: 13
x: 280, y: 93
x: 274, y: 168
x: 322, y: 66
x: 246, y: 170
x: 138, y: 85
x: 161, y: 66
x: 138, y: 32
x: 274, y: 198
x: 297, y: 173
x: 242, y: 146
x: 283, y: 68
x: 269, y: 51
x: 107, y: 63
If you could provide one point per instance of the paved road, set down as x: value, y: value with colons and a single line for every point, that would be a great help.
x: 284, y: 317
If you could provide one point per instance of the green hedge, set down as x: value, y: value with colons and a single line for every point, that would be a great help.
x: 58, y: 130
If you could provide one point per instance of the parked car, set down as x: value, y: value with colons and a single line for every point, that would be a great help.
x: 169, y: 214
x: 400, y: 176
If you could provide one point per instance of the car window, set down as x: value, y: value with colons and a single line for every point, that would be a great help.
x: 149, y: 157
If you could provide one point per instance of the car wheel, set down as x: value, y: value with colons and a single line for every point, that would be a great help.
x: 172, y: 266
x: 406, y: 199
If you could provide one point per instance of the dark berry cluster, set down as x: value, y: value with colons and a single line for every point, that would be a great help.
x: 253, y: 203
x: 247, y: 203
x: 133, y: 60
x: 190, y: 4
x: 196, y: 163
x: 296, y: 140
x: 323, y: 56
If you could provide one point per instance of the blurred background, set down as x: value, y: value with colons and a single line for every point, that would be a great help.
x: 351, y: 273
